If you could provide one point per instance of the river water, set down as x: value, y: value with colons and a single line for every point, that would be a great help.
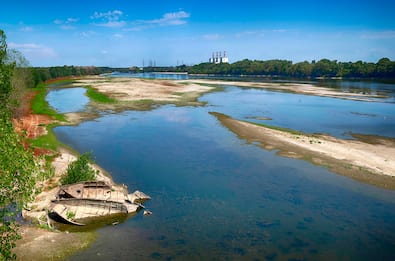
x: 214, y: 197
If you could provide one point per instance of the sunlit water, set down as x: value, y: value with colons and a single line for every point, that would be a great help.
x: 216, y: 197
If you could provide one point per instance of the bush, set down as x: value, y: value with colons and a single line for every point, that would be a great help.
x: 79, y: 171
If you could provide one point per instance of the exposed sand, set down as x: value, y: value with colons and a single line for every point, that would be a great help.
x: 301, y: 88
x: 371, y: 160
x: 39, y: 244
x: 133, y: 89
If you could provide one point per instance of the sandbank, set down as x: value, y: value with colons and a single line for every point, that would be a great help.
x: 300, y: 88
x: 369, y: 159
x: 135, y: 89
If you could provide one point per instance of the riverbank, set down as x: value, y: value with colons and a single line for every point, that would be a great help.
x: 368, y: 159
x: 41, y: 242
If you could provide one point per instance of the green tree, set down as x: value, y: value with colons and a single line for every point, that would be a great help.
x: 21, y: 80
x: 18, y: 168
x: 301, y: 70
x: 385, y: 68
x: 325, y: 68
x: 5, y: 73
x: 79, y: 171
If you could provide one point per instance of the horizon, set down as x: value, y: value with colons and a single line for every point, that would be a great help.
x: 123, y: 34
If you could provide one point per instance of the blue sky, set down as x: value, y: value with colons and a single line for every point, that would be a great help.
x: 122, y: 33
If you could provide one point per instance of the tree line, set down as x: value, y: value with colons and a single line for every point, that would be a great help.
x: 384, y: 68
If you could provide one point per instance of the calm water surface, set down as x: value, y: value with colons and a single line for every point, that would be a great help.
x: 216, y: 197
x: 68, y: 100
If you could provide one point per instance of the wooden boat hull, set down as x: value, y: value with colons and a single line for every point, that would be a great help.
x: 75, y: 211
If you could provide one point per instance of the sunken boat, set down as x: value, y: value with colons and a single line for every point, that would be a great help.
x: 80, y: 203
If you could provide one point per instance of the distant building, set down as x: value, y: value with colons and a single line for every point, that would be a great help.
x: 218, y: 58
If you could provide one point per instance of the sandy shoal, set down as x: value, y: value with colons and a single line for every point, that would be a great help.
x: 133, y: 89
x: 300, y: 88
x: 371, y: 160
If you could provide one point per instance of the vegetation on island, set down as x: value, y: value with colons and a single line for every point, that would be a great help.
x: 98, y: 96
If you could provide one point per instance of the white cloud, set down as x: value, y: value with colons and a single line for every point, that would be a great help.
x: 66, y: 24
x: 32, y: 50
x: 112, y: 24
x: 72, y: 20
x: 110, y: 15
x: 109, y: 19
x: 176, y: 18
x: 168, y: 19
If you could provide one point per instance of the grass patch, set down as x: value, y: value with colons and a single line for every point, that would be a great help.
x: 41, y: 106
x: 96, y: 96
x: 48, y: 141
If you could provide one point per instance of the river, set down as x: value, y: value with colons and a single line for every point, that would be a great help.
x: 216, y: 197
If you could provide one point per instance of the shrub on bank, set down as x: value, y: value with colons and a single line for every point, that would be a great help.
x: 79, y: 170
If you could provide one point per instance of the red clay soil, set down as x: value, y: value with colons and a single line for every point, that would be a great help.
x: 32, y: 125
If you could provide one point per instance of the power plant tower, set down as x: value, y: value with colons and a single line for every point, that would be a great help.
x: 218, y: 58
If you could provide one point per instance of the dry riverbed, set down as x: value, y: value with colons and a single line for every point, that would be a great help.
x: 133, y: 89
x: 300, y: 88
